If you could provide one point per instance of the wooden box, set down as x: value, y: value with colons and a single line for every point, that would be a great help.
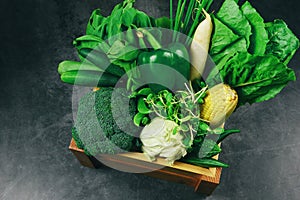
x: 203, y: 180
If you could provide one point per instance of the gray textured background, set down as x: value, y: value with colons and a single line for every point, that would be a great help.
x: 36, y: 116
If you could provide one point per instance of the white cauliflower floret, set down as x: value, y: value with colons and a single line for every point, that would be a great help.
x: 161, y: 138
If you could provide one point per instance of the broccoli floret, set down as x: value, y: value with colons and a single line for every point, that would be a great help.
x: 121, y: 140
x: 104, y: 122
x: 76, y: 138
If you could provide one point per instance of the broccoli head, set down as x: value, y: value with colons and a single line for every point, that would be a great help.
x: 104, y: 123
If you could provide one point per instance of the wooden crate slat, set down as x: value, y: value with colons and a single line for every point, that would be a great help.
x: 203, y: 181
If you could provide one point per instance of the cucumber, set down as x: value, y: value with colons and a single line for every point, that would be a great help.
x: 101, y: 60
x: 89, y: 78
x: 67, y: 65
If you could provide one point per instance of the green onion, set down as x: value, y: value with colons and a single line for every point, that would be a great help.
x: 171, y: 14
x: 188, y: 15
x: 176, y: 22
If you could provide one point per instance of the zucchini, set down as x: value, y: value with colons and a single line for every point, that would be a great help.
x: 89, y: 78
x: 101, y: 60
x: 67, y: 65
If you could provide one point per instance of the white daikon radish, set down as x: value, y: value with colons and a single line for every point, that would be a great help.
x: 200, y: 46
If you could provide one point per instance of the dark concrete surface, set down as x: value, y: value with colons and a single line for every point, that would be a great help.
x: 36, y: 117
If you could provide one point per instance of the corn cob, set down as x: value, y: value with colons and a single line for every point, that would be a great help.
x: 220, y: 102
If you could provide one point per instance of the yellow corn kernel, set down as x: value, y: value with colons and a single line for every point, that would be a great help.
x: 220, y: 102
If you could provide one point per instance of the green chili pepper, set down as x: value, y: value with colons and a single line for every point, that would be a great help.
x: 161, y: 65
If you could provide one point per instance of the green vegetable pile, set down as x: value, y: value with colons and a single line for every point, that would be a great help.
x: 251, y: 56
x: 121, y: 57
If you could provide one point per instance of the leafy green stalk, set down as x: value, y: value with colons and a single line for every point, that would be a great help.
x: 177, y: 20
x: 171, y: 14
x: 196, y: 20
x: 188, y: 15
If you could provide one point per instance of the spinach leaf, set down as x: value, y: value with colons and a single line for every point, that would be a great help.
x: 222, y: 37
x: 94, y: 24
x: 123, y: 17
x: 259, y: 37
x: 163, y: 22
x: 114, y: 25
x: 283, y: 43
x: 255, y: 78
x: 122, y: 52
x: 143, y: 20
x: 90, y: 42
x: 128, y: 16
x: 238, y: 46
x: 232, y: 16
x: 214, y: 76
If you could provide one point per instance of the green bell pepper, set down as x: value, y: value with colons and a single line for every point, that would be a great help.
x: 165, y: 68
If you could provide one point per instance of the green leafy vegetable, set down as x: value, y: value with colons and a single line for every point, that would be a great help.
x: 283, y: 43
x: 238, y: 46
x: 96, y: 24
x: 259, y: 37
x: 232, y: 16
x: 123, y: 17
x: 222, y: 37
x: 255, y: 78
x: 163, y: 22
x: 128, y: 16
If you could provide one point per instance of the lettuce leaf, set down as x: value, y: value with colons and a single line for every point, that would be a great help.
x: 255, y: 78
x: 238, y: 46
x: 222, y: 37
x: 259, y: 37
x: 283, y: 43
x: 231, y: 15
x: 95, y: 24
